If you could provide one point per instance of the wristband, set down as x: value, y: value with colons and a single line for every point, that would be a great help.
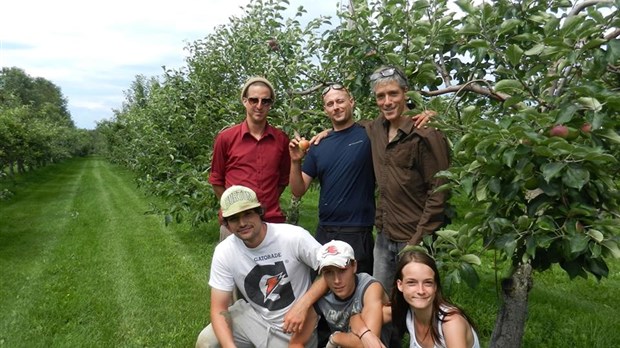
x: 363, y: 333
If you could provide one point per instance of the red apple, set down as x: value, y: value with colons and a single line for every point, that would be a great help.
x: 586, y: 127
x: 273, y: 44
x: 559, y: 130
x: 304, y: 144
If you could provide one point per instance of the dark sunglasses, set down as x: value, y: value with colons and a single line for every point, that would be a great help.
x: 335, y: 86
x: 264, y: 101
x: 387, y: 72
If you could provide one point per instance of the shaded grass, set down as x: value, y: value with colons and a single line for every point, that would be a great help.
x: 561, y: 312
x: 83, y: 266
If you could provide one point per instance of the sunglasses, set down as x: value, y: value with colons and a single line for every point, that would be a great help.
x: 335, y: 86
x: 264, y: 101
x: 387, y: 72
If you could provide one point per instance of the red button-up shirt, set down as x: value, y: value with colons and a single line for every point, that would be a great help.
x: 262, y: 165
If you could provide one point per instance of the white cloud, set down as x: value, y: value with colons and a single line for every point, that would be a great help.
x: 94, y: 50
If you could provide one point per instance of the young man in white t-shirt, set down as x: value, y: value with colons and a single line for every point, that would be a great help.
x: 272, y: 265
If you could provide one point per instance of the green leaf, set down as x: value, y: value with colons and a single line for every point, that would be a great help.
x: 508, y: 25
x: 514, y: 54
x: 612, y: 246
x: 448, y: 235
x: 551, y: 170
x: 469, y: 275
x: 610, y: 134
x: 590, y: 103
x: 466, y: 6
x: 571, y: 23
x: 508, y: 86
x: 546, y: 223
x: 478, y: 43
x: 534, y: 51
x: 481, y: 190
x: 566, y: 114
x: 576, y: 177
x: 596, y: 235
x: 574, y: 269
x: 594, y: 43
x: 508, y: 157
x: 578, y: 243
x: 598, y: 267
x: 507, y: 243
x: 472, y: 259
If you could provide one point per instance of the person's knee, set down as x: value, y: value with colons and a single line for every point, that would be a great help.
x: 207, y: 338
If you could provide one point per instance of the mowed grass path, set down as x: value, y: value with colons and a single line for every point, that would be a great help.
x: 83, y: 265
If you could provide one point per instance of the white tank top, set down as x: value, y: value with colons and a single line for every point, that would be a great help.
x: 413, y: 342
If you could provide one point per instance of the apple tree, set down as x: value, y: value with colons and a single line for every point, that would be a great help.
x: 528, y: 92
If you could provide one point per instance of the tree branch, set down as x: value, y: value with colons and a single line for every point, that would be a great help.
x: 558, y: 85
x: 471, y: 86
x: 581, y: 6
x: 614, y: 34
x: 442, y: 70
x: 312, y: 89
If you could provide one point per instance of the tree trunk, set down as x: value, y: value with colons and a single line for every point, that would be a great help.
x: 21, y: 168
x: 510, y: 322
x: 292, y: 215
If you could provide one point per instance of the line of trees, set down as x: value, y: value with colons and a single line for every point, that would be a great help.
x: 35, y: 125
x: 527, y: 91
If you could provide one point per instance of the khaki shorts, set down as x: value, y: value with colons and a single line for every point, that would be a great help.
x: 250, y: 330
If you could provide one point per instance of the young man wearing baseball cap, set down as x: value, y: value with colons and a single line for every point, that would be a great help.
x: 353, y: 306
x: 271, y: 264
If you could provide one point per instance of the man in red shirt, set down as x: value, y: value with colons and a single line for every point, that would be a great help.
x: 253, y: 153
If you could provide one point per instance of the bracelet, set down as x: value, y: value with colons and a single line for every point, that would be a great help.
x: 363, y: 333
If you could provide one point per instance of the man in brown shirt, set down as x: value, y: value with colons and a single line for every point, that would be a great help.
x: 406, y: 160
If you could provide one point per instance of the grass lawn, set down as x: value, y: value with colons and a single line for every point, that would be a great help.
x: 83, y: 265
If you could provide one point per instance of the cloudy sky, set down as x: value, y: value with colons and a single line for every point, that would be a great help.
x: 93, y: 50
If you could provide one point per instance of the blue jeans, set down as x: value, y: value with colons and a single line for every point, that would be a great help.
x: 386, y: 258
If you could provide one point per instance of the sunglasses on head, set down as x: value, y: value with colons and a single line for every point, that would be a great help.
x: 335, y: 86
x: 387, y: 72
x: 264, y: 101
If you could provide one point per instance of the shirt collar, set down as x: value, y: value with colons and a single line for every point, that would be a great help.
x: 269, y: 131
x: 407, y: 126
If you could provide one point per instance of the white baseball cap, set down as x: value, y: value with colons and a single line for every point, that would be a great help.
x: 236, y: 199
x: 335, y: 253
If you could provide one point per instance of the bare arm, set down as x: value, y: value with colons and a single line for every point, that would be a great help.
x: 219, y: 190
x: 295, y: 318
x: 298, y: 180
x: 300, y: 338
x: 220, y: 317
x: 371, y: 316
x: 457, y: 332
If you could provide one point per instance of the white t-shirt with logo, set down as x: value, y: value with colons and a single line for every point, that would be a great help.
x: 272, y: 276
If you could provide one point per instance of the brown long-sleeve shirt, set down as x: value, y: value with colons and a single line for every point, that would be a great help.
x: 404, y: 169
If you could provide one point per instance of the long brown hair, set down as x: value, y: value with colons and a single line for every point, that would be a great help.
x: 400, y: 307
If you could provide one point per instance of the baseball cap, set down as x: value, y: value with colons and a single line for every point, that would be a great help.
x: 236, y: 199
x: 335, y: 253
x: 249, y: 82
